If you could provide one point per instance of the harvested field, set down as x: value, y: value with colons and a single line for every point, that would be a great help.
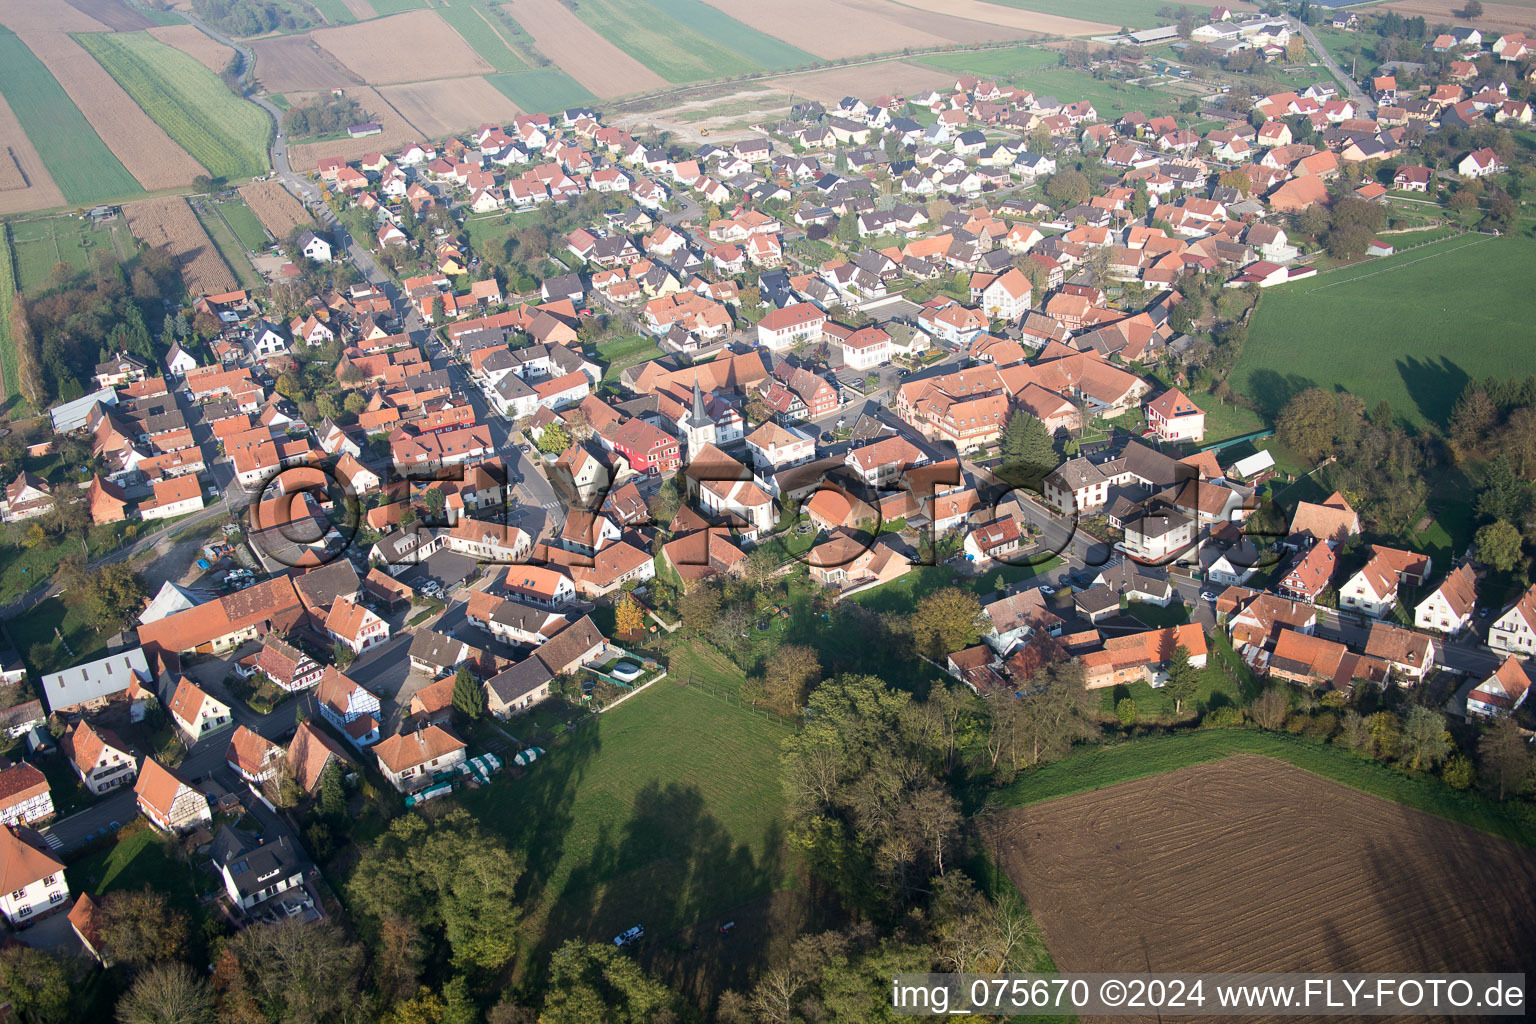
x: 1251, y: 864
x: 1008, y: 17
x: 828, y: 28
x: 411, y: 47
x: 170, y: 223
x: 1494, y: 16
x: 397, y: 133
x: 447, y: 106
x: 214, y: 56
x: 47, y: 16
x: 586, y: 56
x: 24, y: 181
x: 295, y: 63
x: 276, y: 208
x: 144, y: 148
x: 896, y: 77
x: 115, y: 14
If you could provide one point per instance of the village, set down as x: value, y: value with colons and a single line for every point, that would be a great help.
x: 943, y: 333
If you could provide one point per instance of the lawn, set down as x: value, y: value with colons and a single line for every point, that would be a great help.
x: 224, y: 133
x: 902, y: 595
x: 48, y: 620
x: 622, y: 353
x: 1119, y: 13
x: 39, y: 244
x: 78, y: 161
x: 229, y: 247
x: 487, y: 232
x: 545, y: 89
x: 662, y: 43
x: 244, y: 223
x: 1096, y: 767
x: 665, y: 812
x: 1469, y: 298
x: 476, y: 28
x: 139, y: 860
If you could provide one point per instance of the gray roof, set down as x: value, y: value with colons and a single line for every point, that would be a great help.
x: 253, y: 864
x: 519, y: 680
x: 96, y: 679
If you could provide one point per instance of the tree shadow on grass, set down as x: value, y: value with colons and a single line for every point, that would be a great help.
x: 1433, y: 385
x: 1269, y: 391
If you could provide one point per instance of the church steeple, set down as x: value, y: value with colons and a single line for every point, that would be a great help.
x: 698, y: 417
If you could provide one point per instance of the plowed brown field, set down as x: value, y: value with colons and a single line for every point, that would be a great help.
x: 397, y: 133
x: 115, y: 14
x: 274, y: 206
x: 450, y: 105
x: 47, y: 16
x: 581, y: 53
x: 143, y: 147
x: 410, y: 47
x: 977, y: 26
x: 215, y: 56
x: 24, y: 181
x: 827, y: 28
x: 1251, y: 864
x: 171, y: 224
x: 290, y: 63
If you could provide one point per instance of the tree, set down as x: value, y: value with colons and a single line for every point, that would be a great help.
x: 791, y: 671
x: 1269, y: 711
x: 699, y: 607
x: 111, y: 594
x: 1472, y: 9
x: 1069, y: 187
x: 1125, y: 711
x: 946, y: 621
x: 663, y: 505
x: 167, y: 993
x: 1498, y: 546
x: 1237, y: 179
x: 1458, y: 772
x: 554, y: 439
x: 1308, y: 423
x: 1183, y: 678
x: 1472, y: 418
x: 1425, y: 743
x: 593, y: 981
x: 468, y: 695
x: 333, y: 796
x: 36, y: 983
x: 629, y: 620
x: 1029, y: 452
x: 1504, y: 760
x: 141, y: 928
x: 1296, y: 49
x: 1517, y: 441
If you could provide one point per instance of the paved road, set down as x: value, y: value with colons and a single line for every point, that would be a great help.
x: 1356, y: 95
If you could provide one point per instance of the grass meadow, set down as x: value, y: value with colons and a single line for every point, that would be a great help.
x: 1471, y: 299
x: 219, y: 130
x: 228, y: 246
x: 36, y: 245
x: 246, y: 226
x: 78, y: 161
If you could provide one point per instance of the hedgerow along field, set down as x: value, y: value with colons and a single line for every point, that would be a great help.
x: 224, y: 133
x: 674, y: 50
x: 544, y: 89
x: 1471, y: 300
x: 633, y: 819
x: 78, y: 161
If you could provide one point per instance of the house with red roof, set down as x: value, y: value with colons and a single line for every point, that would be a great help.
x: 1174, y: 417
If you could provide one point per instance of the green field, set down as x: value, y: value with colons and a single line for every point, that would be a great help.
x: 755, y: 46
x: 1031, y: 68
x: 1097, y: 767
x: 246, y: 227
x: 542, y: 90
x: 172, y: 18
x: 1119, y: 13
x: 219, y: 130
x: 8, y: 368
x: 476, y: 29
x: 334, y: 11
x: 667, y: 810
x: 662, y: 43
x: 78, y: 161
x: 398, y: 6
x: 622, y: 353
x: 38, y: 244
x: 1410, y: 328
x: 229, y: 247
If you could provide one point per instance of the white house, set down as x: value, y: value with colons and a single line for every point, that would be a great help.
x: 315, y: 247
x: 866, y: 349
x: 1450, y: 606
x: 31, y: 881
x: 785, y: 328
x: 775, y: 447
x: 355, y: 625
x: 197, y: 714
x: 1515, y: 630
x: 255, y: 870
x: 1501, y: 692
x: 1173, y: 417
x: 1373, y: 590
x: 24, y: 795
x: 410, y: 760
x: 101, y: 760
x: 171, y: 803
x: 1480, y: 163
x: 350, y: 708
x: 1007, y: 296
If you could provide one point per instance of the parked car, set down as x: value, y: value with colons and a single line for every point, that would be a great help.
x: 1047, y: 589
x: 826, y: 437
x: 1208, y: 595
x: 634, y: 934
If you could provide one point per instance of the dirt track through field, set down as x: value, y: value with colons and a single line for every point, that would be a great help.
x: 1251, y: 864
x: 170, y: 223
x: 412, y: 47
x: 398, y: 132
x: 37, y: 191
x: 142, y: 145
x: 275, y: 207
x: 450, y: 105
x: 581, y: 53
x: 213, y: 55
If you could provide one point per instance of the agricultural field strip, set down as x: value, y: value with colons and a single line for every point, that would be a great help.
x: 753, y: 45
x: 661, y: 42
x: 480, y: 32
x: 8, y: 366
x: 228, y: 246
x: 77, y: 159
x: 542, y: 89
x: 225, y: 134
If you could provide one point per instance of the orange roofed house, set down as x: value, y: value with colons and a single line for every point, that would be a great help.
x: 1173, y: 417
x: 410, y: 760
x: 171, y: 803
x: 1142, y: 656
